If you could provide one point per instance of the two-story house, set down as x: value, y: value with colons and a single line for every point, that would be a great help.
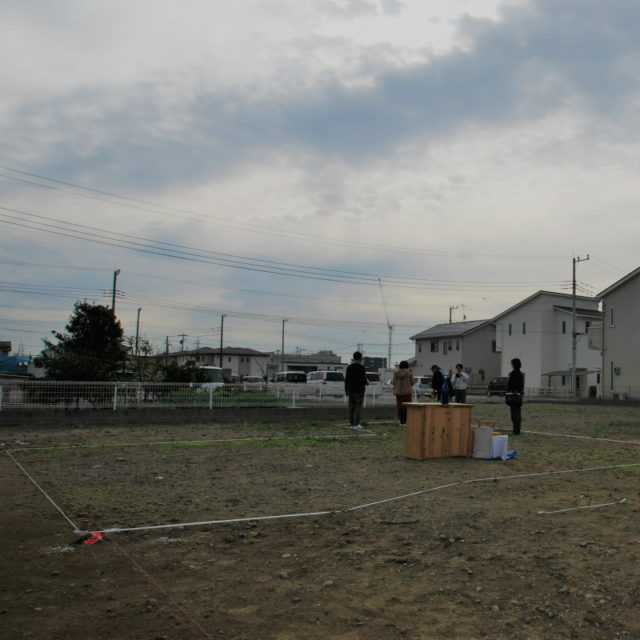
x: 234, y: 361
x: 621, y: 338
x: 538, y: 330
x: 471, y: 343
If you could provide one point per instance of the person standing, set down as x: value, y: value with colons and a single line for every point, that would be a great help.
x: 437, y: 380
x: 355, y: 385
x: 515, y: 391
x: 460, y: 385
x: 403, y: 390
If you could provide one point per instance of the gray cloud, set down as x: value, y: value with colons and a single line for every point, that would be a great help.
x: 532, y: 62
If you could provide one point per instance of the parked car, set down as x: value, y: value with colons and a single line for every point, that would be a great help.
x: 253, y: 383
x: 290, y: 377
x: 327, y: 382
x: 422, y: 386
x: 497, y: 386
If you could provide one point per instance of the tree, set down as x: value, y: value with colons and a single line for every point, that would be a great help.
x: 188, y: 372
x: 93, y: 348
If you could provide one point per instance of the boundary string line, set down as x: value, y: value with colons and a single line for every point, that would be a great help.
x: 158, y: 443
x: 153, y: 581
x: 44, y: 493
x: 362, y: 506
x: 567, y: 435
x: 311, y: 513
x: 586, y: 506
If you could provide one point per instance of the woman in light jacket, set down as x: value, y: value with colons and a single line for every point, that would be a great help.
x: 403, y: 390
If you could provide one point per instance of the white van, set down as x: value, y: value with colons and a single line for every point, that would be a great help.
x: 215, y: 377
x: 327, y: 382
x: 290, y: 377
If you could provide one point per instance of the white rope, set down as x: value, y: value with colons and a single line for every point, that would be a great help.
x: 587, y: 506
x: 406, y: 495
x: 205, y: 522
x: 158, y: 443
x: 550, y: 473
x: 44, y: 493
x: 316, y: 513
x: 566, y: 435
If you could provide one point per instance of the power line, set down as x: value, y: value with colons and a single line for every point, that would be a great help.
x: 165, y: 249
x: 153, y: 207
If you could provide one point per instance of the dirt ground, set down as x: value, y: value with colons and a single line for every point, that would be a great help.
x: 349, y: 538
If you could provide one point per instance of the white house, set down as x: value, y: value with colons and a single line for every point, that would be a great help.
x: 621, y: 338
x: 236, y: 361
x: 538, y: 330
x: 471, y: 343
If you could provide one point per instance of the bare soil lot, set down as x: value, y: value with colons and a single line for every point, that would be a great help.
x: 310, y: 530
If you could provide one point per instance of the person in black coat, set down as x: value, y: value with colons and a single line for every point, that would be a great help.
x: 515, y: 387
x: 355, y: 385
x: 437, y: 380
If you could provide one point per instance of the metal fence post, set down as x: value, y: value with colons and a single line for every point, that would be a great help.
x: 115, y: 396
x: 1, y: 390
x: 210, y: 399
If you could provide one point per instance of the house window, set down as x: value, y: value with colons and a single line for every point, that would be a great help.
x: 510, y: 328
x: 457, y: 345
x: 524, y: 328
x: 229, y: 359
x: 434, y: 346
x: 445, y: 349
x: 612, y: 317
x: 494, y: 346
x: 563, y: 381
x: 564, y: 326
x: 419, y: 347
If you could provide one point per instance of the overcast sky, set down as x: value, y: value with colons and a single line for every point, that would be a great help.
x: 342, y: 164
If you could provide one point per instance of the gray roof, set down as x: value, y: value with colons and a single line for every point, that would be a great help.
x: 619, y: 283
x: 560, y: 296
x: 226, y: 351
x: 450, y: 329
x: 581, y: 312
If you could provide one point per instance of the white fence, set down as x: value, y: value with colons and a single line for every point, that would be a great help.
x: 114, y: 396
x: 26, y: 394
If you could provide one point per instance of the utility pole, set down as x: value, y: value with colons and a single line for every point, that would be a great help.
x: 113, y: 293
x: 282, y: 350
x: 182, y: 337
x: 574, y: 334
x: 389, y: 325
x: 137, y: 331
x: 222, y: 317
x: 166, y: 353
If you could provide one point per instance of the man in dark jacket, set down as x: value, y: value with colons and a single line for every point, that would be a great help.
x: 515, y: 391
x: 437, y: 380
x: 355, y: 384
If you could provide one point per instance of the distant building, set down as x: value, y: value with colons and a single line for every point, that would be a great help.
x: 15, y: 365
x: 321, y: 361
x: 374, y: 364
x: 471, y: 343
x: 234, y: 361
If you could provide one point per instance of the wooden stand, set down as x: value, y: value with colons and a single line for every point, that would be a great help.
x: 438, y: 431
